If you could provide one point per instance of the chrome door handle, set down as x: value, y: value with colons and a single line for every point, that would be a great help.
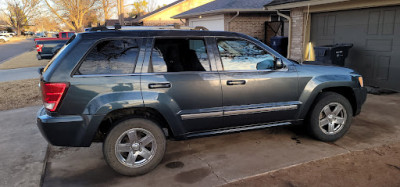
x: 235, y: 82
x: 159, y: 85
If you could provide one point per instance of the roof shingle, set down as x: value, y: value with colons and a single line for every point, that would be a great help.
x: 219, y: 6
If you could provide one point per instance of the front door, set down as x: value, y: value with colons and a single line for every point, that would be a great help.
x: 254, y: 92
x: 180, y: 81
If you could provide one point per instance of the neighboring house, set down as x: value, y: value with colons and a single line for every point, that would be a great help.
x: 162, y: 16
x: 372, y: 26
x: 244, y: 16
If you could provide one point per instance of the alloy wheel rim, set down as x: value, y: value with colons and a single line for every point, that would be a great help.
x: 332, y: 118
x: 135, y: 147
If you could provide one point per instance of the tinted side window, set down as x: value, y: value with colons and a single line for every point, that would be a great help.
x: 176, y: 55
x: 70, y: 34
x: 111, y: 57
x: 244, y: 55
x: 63, y: 35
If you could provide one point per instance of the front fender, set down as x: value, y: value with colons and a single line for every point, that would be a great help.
x: 316, y: 85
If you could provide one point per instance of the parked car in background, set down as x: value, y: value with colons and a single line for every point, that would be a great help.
x: 132, y: 89
x: 5, y: 33
x: 48, y: 47
x: 3, y: 39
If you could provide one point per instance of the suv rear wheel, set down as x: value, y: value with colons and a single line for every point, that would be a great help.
x: 330, y: 117
x: 134, y: 146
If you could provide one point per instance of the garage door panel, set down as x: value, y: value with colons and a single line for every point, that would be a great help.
x: 388, y: 22
x: 375, y: 35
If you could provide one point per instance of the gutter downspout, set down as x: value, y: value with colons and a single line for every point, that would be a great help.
x: 229, y: 22
x: 290, y: 31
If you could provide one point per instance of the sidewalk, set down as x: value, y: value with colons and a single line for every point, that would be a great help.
x: 19, y: 74
x: 23, y: 66
x: 23, y: 149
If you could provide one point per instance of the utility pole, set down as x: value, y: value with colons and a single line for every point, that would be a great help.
x: 120, y: 11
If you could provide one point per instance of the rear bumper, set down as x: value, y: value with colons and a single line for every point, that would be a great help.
x: 361, y: 96
x: 71, y: 130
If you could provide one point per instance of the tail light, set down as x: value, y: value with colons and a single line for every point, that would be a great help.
x: 39, y: 47
x: 53, y: 94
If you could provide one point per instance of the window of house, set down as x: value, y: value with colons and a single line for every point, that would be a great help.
x: 243, y: 55
x: 176, y: 55
x: 111, y: 57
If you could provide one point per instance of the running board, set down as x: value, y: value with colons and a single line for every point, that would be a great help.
x: 243, y: 128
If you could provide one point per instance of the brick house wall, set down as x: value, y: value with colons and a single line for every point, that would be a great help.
x: 296, y: 50
x: 251, y: 24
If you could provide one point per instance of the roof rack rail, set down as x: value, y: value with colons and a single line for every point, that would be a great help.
x: 167, y: 27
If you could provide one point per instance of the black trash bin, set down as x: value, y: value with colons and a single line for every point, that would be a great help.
x: 280, y: 44
x: 332, y: 54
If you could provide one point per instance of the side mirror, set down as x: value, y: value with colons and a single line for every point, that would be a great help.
x: 278, y: 63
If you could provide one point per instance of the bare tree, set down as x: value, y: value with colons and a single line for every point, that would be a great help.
x: 19, y: 13
x: 139, y: 8
x: 72, y: 13
x: 151, y: 5
x: 107, y: 6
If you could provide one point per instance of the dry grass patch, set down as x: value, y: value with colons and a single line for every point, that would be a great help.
x: 18, y: 94
x: 24, y: 60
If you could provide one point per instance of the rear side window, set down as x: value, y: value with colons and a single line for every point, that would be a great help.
x: 111, y: 57
x: 177, y: 55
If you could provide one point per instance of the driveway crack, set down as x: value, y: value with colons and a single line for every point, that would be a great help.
x: 209, y: 166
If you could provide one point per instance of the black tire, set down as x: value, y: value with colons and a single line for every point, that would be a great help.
x: 138, y: 126
x: 328, y: 132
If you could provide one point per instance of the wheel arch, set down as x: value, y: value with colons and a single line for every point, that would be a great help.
x: 111, y: 118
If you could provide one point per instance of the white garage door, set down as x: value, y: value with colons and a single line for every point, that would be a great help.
x: 212, y: 23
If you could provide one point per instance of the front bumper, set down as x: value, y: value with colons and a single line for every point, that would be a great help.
x: 71, y: 130
x: 360, y: 96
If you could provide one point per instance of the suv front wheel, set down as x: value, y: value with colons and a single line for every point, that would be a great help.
x: 330, y: 117
x: 134, y: 146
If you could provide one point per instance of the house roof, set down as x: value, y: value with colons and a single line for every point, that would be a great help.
x: 225, y: 6
x: 160, y: 9
x: 289, y: 4
x: 279, y: 2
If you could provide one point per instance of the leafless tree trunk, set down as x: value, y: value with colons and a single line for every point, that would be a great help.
x: 107, y: 6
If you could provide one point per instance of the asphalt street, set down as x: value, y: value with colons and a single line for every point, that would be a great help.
x: 8, y: 51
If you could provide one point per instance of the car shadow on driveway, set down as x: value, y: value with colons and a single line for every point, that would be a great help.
x: 217, y: 160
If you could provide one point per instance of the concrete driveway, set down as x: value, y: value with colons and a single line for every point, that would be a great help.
x: 217, y: 160
x: 22, y: 148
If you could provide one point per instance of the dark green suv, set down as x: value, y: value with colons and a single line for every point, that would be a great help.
x: 132, y: 89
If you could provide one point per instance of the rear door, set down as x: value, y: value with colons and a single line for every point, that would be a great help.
x: 179, y: 79
x: 253, y: 91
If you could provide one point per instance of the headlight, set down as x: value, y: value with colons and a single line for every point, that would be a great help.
x: 361, y: 81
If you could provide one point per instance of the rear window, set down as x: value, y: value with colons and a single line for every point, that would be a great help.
x: 110, y: 57
x: 59, y: 52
